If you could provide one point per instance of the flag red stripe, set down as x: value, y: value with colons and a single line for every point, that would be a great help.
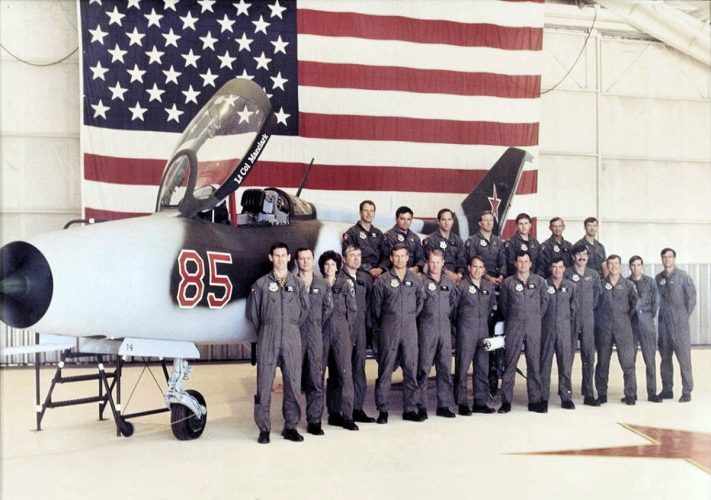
x: 359, y: 76
x: 349, y: 24
x: 396, y: 128
x: 337, y: 177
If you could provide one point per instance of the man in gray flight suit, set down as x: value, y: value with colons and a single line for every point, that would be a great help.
x: 400, y: 234
x: 397, y: 301
x: 523, y: 303
x: 645, y: 332
x: 556, y: 334
x: 434, y: 326
x: 368, y: 238
x: 277, y: 306
x: 521, y: 241
x: 554, y: 247
x: 320, y: 309
x: 678, y: 300
x: 475, y: 305
x: 490, y: 248
x: 363, y: 284
x: 449, y: 243
x: 613, y: 325
x: 338, y: 342
x: 596, y: 250
x: 587, y: 284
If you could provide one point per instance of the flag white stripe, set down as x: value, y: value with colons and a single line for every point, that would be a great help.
x: 159, y: 145
x: 340, y: 101
x: 513, y: 14
x: 391, y: 53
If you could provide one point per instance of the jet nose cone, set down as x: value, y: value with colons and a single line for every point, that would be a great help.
x: 25, y: 284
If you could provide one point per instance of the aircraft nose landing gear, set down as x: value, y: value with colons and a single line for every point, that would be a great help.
x: 188, y: 411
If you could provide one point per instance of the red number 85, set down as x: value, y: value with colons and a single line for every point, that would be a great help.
x: 191, y: 287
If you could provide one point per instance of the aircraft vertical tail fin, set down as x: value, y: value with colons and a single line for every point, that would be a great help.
x: 496, y: 190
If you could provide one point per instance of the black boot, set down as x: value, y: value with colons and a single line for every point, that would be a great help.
x: 263, y: 437
x: 412, y: 416
x: 601, y: 400
x: 315, y: 429
x: 292, y: 435
x: 588, y: 401
x: 478, y: 408
x: 685, y: 398
x: 382, y: 417
x: 629, y: 400
x: 567, y: 405
x: 505, y: 407
x: 666, y: 395
x: 422, y: 413
x: 361, y: 416
x: 539, y: 407
x: 464, y: 410
x: 445, y: 412
x: 653, y: 398
x: 349, y: 425
x: 335, y: 419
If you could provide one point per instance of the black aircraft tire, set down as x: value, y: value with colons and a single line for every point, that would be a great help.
x: 126, y: 428
x: 184, y: 423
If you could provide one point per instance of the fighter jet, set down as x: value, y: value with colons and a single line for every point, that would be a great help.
x: 158, y: 285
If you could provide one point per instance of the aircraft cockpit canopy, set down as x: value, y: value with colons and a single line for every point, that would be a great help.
x: 212, y: 147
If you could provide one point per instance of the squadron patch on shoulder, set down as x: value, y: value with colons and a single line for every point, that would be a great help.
x: 443, y: 245
x: 431, y: 287
x: 472, y: 289
x: 482, y: 243
x: 273, y: 287
x: 608, y: 286
x: 663, y: 281
x: 524, y: 247
x: 362, y: 235
x: 576, y: 278
x: 551, y: 289
x: 400, y: 237
x: 519, y: 287
x: 394, y: 283
x: 556, y: 248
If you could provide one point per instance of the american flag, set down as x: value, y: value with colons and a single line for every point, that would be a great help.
x: 400, y: 101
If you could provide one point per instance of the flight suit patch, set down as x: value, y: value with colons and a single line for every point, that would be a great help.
x: 363, y: 235
x: 472, y: 289
x: 432, y: 287
x: 394, y: 283
x: 524, y: 247
x: 519, y: 287
x: 551, y: 290
x: 608, y: 286
x: 576, y: 278
x: 400, y: 237
x: 443, y: 245
x: 483, y: 243
x: 273, y: 287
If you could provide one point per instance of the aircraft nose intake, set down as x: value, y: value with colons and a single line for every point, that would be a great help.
x: 25, y: 284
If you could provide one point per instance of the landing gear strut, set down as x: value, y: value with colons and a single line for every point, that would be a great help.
x: 188, y: 411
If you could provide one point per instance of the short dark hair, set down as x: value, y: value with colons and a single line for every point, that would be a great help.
x: 329, y: 255
x: 403, y: 210
x: 589, y: 220
x: 555, y: 260
x: 399, y: 246
x: 636, y: 257
x: 351, y: 245
x: 613, y: 257
x: 436, y: 251
x: 476, y: 257
x: 364, y: 203
x: 278, y: 245
x: 579, y: 248
x: 303, y: 249
x: 521, y: 253
x: 555, y: 219
x: 443, y: 211
x: 485, y: 212
x: 521, y: 216
x: 667, y: 249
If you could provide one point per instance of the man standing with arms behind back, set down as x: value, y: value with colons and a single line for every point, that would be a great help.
x: 596, y: 250
x: 678, y: 300
x: 645, y: 332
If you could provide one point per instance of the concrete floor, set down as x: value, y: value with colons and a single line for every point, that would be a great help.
x: 76, y: 457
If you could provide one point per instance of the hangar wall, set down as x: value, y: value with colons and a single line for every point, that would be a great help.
x: 626, y: 136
